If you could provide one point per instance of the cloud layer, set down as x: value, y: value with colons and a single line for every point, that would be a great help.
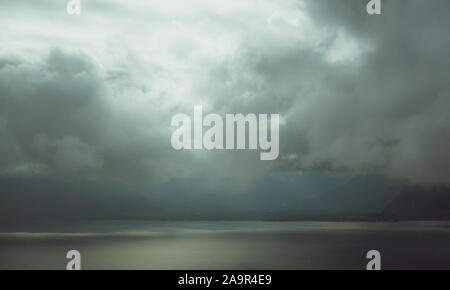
x: 93, y: 95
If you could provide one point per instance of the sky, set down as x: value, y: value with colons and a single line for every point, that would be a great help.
x: 89, y: 98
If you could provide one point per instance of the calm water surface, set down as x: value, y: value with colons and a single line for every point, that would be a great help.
x: 229, y: 245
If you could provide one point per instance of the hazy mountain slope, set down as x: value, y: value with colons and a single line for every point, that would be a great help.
x: 418, y: 202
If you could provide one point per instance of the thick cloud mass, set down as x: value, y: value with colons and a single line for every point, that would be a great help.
x: 93, y: 95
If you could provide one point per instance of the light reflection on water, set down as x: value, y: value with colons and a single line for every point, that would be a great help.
x: 230, y: 245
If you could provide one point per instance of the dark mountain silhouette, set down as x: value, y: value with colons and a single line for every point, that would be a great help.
x: 361, y: 195
x: 420, y: 202
x: 312, y: 196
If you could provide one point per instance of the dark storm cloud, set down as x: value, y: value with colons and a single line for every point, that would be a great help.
x: 389, y: 112
x: 355, y: 92
x: 384, y: 111
x: 50, y: 114
x: 56, y: 119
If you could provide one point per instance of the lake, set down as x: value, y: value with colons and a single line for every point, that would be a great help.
x: 228, y: 245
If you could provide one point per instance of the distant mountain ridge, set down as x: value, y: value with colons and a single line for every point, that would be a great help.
x: 290, y: 196
x: 420, y: 202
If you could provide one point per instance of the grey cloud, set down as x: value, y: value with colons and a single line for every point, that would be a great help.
x: 58, y: 117
x: 355, y: 92
x: 55, y: 116
x: 50, y: 111
x: 382, y: 112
